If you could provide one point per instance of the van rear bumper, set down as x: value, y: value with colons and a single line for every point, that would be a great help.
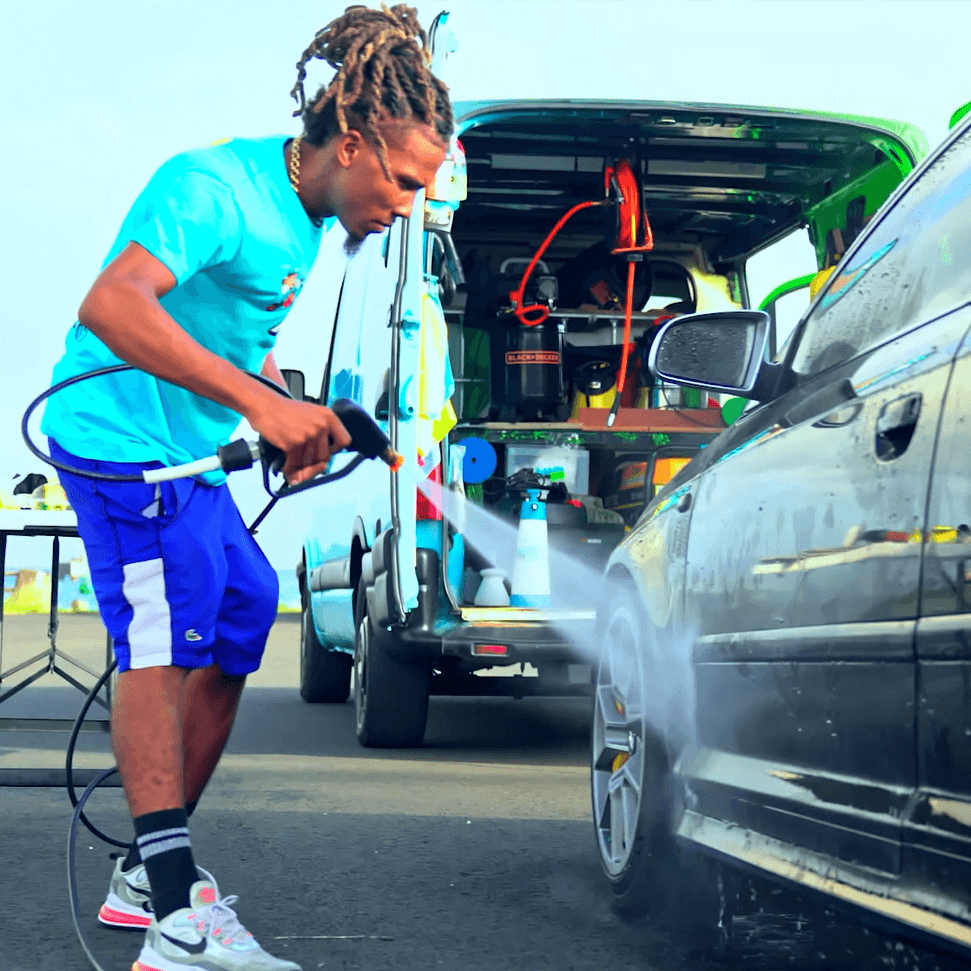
x: 563, y: 664
x: 523, y: 643
x: 528, y: 635
x: 561, y: 644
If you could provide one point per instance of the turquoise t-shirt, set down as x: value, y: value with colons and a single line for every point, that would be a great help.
x: 227, y: 223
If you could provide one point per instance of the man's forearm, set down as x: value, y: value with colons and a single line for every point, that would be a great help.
x: 135, y: 326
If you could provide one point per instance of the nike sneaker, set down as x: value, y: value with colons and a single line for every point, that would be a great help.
x: 129, y: 900
x: 206, y: 934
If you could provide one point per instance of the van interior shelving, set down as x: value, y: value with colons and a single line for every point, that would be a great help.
x: 717, y: 185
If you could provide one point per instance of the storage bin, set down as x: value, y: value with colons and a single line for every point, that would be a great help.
x: 562, y: 464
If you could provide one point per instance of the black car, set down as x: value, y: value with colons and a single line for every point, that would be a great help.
x: 785, y: 683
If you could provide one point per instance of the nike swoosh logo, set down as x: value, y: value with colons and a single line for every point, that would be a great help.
x: 196, y: 948
x: 139, y: 890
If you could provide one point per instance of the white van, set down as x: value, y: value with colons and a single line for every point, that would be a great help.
x: 388, y: 586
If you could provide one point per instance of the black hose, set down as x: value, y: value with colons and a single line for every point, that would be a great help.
x: 78, y: 816
x: 72, y: 880
x: 79, y: 803
x: 378, y: 443
x: 43, y: 396
x: 98, y: 372
x: 69, y: 763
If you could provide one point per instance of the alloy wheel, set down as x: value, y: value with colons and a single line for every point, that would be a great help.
x: 618, y: 741
x: 361, y: 646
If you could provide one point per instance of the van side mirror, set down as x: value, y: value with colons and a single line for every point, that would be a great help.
x: 718, y: 351
x: 296, y: 384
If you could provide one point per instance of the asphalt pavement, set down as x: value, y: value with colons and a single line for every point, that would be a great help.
x: 474, y: 853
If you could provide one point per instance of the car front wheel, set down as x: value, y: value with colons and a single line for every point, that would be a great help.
x: 629, y: 773
x: 390, y: 695
x: 634, y: 793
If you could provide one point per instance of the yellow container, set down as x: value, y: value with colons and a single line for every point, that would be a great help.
x: 50, y: 496
x: 581, y: 400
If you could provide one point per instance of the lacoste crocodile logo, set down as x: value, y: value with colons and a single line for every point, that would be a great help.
x: 192, y: 635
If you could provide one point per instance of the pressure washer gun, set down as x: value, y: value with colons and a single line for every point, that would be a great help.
x: 367, y: 440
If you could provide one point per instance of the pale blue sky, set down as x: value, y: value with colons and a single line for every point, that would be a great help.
x: 95, y: 95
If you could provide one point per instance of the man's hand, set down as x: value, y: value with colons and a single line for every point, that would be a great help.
x: 306, y: 433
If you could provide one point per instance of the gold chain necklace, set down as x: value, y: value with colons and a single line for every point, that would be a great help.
x: 295, y: 164
x: 295, y: 175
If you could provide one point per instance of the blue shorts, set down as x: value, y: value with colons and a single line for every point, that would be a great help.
x: 178, y: 578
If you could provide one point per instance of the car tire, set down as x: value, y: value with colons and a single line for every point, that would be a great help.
x: 629, y: 777
x: 634, y: 795
x: 390, y: 695
x: 325, y: 675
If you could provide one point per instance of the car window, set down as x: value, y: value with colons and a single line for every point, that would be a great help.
x: 360, y: 353
x: 914, y: 264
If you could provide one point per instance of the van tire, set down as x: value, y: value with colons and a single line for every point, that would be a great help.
x: 325, y: 675
x: 390, y: 695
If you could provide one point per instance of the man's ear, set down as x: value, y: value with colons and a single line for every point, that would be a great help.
x: 349, y: 146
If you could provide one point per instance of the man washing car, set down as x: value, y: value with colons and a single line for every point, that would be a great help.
x: 205, y: 268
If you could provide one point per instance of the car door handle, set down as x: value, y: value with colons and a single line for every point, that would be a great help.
x: 895, y: 426
x: 684, y: 503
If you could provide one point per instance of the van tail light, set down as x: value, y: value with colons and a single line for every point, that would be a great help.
x: 425, y: 508
x: 493, y: 650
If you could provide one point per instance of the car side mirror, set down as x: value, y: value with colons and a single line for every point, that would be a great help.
x: 718, y: 351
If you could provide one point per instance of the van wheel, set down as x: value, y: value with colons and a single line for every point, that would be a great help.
x: 325, y: 675
x: 390, y: 696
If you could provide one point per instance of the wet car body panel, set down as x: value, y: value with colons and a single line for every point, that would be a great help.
x: 937, y: 832
x: 806, y: 551
x: 828, y: 579
x: 654, y: 557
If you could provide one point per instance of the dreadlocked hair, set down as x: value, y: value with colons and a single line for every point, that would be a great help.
x: 383, y: 69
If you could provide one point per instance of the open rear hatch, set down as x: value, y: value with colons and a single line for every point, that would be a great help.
x: 718, y: 183
x: 728, y: 179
